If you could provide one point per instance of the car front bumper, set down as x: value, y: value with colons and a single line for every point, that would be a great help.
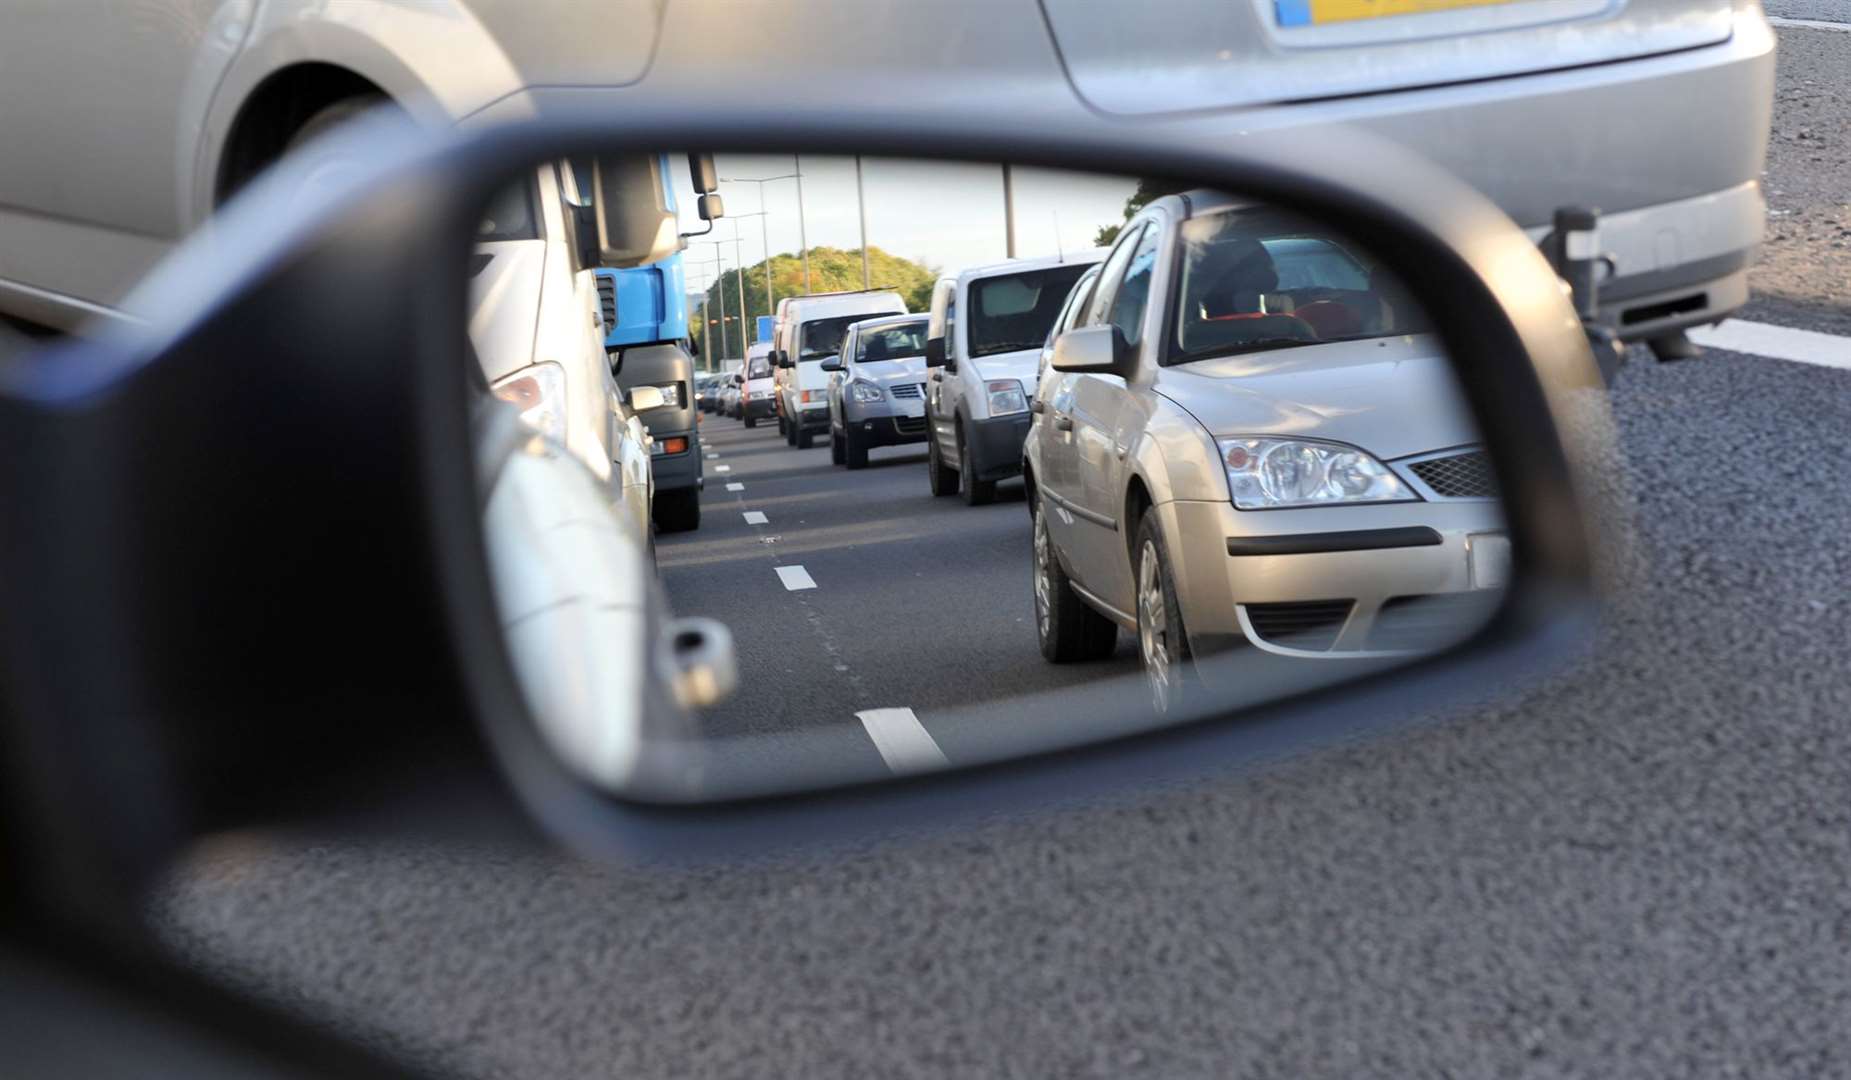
x: 1335, y: 582
x: 673, y: 472
x: 995, y: 445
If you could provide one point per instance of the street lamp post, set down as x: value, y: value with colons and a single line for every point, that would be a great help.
x: 720, y: 269
x: 766, y: 240
x: 803, y: 236
x: 861, y: 203
x: 1008, y: 213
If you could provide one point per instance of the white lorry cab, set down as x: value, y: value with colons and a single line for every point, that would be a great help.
x: 983, y: 346
x: 811, y: 332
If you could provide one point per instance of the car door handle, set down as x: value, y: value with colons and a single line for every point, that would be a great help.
x: 1063, y: 423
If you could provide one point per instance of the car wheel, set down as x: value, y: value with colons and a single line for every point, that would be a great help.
x: 1067, y: 628
x: 854, y: 451
x: 678, y: 511
x: 942, y: 478
x: 751, y: 421
x: 976, y: 492
x: 781, y: 429
x: 803, y: 439
x: 1163, y: 646
x: 837, y: 453
x: 790, y: 433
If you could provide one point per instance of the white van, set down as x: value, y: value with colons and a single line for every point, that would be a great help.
x: 538, y: 332
x: 755, y: 391
x: 983, y: 346
x: 811, y: 333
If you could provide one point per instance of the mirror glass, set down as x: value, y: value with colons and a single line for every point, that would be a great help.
x: 1188, y: 454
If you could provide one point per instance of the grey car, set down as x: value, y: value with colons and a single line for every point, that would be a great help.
x: 1248, y: 438
x: 877, y: 388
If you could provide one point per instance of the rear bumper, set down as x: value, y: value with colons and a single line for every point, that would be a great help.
x: 1678, y: 264
x: 760, y: 408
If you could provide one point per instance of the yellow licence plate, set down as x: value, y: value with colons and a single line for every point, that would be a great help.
x: 1320, y: 12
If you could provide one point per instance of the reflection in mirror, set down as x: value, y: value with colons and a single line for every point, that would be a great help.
x: 1181, y: 455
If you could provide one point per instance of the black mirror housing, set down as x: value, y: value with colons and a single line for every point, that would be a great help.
x: 834, y: 363
x: 935, y: 352
x: 710, y: 207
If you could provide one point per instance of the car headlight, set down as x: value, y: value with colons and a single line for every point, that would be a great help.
x: 865, y: 392
x: 1006, y: 397
x: 1268, y: 473
x: 539, y: 392
x: 671, y: 394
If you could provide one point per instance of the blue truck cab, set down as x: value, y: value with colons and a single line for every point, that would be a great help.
x: 645, y: 311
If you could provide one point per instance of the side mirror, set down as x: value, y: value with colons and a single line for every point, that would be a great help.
x: 710, y: 207
x: 784, y: 359
x: 834, y: 363
x: 635, y: 225
x: 1094, y: 350
x: 645, y: 398
x: 935, y: 352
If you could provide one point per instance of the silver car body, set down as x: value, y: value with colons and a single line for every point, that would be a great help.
x: 1103, y: 449
x: 1654, y: 111
x: 898, y: 414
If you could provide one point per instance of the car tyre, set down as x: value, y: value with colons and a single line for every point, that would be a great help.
x: 942, y: 478
x: 781, y: 429
x: 804, y: 439
x: 976, y: 492
x: 677, y: 511
x: 1068, y: 629
x: 854, y: 450
x: 1163, y: 643
x: 751, y: 421
x: 837, y: 453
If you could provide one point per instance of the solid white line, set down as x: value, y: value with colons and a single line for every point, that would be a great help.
x: 795, y: 578
x: 904, y: 743
x: 722, y: 468
x: 1776, y: 342
x: 735, y: 487
x: 1809, y: 24
x: 755, y: 517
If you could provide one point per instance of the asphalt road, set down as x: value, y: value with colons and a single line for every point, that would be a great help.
x: 1639, y: 867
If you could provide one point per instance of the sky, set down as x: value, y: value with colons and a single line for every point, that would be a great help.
x: 946, y: 215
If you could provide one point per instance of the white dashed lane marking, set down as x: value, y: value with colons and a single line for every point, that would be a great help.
x: 1776, y: 342
x: 904, y: 743
x: 755, y: 517
x: 795, y: 578
x: 1809, y: 24
x: 735, y: 487
x: 722, y: 468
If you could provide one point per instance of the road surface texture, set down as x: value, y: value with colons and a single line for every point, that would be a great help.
x: 1640, y: 867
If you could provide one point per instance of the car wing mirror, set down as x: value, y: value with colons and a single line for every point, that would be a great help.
x: 935, y: 352
x: 833, y: 363
x: 552, y: 676
x: 1094, y: 350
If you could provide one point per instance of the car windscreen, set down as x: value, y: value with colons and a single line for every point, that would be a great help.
x: 1250, y: 280
x: 1011, y: 312
x: 891, y: 343
x: 760, y: 368
x: 819, y: 338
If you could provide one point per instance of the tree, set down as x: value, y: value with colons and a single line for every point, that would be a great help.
x: 831, y: 270
x: 1147, y: 190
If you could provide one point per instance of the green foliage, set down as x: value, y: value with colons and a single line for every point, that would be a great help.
x: 1147, y: 190
x: 831, y: 270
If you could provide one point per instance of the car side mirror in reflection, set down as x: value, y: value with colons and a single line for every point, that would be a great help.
x: 1094, y: 350
x: 935, y: 352
x: 834, y: 363
x: 646, y: 398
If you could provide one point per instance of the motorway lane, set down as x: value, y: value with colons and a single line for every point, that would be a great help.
x: 919, y: 602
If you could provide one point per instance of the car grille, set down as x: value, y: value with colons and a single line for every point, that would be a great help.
x: 906, y: 389
x: 607, y: 300
x: 1433, y: 621
x: 1300, y: 624
x: 909, y: 425
x: 1458, y: 476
